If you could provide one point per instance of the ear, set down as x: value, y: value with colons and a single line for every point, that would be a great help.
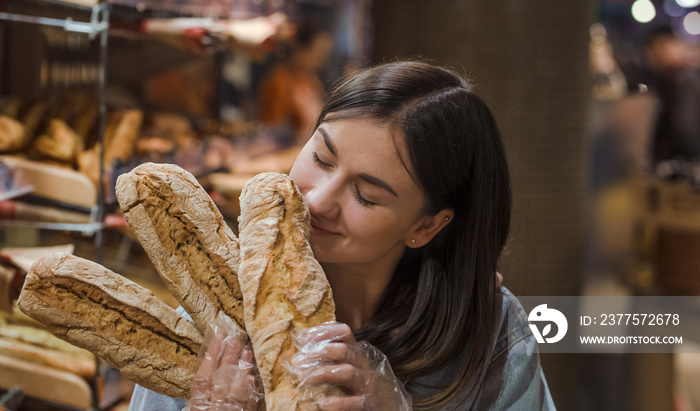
x: 427, y: 227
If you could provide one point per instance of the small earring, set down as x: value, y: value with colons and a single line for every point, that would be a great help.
x: 413, y: 240
x: 447, y: 218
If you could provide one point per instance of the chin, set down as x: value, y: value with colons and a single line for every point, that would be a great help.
x: 324, y: 255
x: 318, y: 253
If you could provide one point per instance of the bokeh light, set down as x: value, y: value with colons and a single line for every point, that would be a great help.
x: 688, y: 3
x: 643, y: 11
x: 691, y: 22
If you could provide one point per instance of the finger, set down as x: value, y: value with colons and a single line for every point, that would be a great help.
x: 209, y: 364
x: 336, y: 332
x: 343, y: 375
x: 331, y: 353
x: 243, y: 390
x: 354, y: 403
x: 219, y: 391
x: 246, y: 362
x: 227, y: 372
x: 232, y: 351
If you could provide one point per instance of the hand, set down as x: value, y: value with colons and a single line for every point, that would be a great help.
x: 225, y: 380
x: 337, y: 373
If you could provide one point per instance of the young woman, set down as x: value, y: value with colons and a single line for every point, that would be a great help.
x: 408, y: 188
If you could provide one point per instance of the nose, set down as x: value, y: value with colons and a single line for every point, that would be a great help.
x: 323, y: 198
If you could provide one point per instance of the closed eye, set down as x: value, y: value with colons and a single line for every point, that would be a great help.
x: 321, y: 163
x: 363, y: 201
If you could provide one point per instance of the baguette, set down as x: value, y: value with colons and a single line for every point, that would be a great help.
x: 13, y: 135
x: 33, y: 118
x: 60, y: 143
x: 78, y: 364
x: 186, y: 238
x: 86, y: 120
x: 284, y: 287
x: 89, y: 163
x: 114, y: 318
x: 121, y: 144
x: 39, y: 336
x: 7, y: 275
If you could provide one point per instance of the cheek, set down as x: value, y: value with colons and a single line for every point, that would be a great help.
x: 380, y: 229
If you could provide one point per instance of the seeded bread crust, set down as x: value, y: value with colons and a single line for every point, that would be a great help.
x: 116, y: 319
x: 186, y: 238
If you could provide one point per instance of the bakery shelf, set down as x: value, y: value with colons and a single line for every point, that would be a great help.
x: 60, y: 387
x: 86, y: 228
x: 84, y: 5
x: 11, y: 399
x: 215, y: 9
x: 79, y: 4
x: 73, y: 16
x: 98, y: 23
x: 55, y: 183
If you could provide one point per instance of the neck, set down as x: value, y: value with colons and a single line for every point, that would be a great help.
x: 357, y: 289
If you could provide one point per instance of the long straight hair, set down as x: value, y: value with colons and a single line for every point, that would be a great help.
x: 442, y: 300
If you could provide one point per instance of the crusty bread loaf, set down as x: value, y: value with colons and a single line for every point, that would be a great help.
x: 7, y: 275
x: 284, y: 287
x: 186, y: 238
x: 33, y: 118
x: 89, y: 163
x: 13, y: 135
x: 122, y: 142
x: 86, y: 120
x: 70, y: 361
x: 39, y: 336
x: 60, y: 143
x: 114, y: 318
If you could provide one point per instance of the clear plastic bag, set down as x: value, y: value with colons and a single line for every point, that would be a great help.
x: 332, y: 369
x: 226, y: 378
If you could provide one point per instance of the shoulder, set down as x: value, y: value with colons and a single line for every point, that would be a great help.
x: 513, y: 324
x: 514, y: 379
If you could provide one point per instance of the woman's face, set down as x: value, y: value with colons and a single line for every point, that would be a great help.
x: 363, y: 202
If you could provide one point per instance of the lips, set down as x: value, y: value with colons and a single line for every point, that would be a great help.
x: 318, y: 229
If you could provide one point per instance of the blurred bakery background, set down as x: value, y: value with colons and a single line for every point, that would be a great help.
x: 598, y: 102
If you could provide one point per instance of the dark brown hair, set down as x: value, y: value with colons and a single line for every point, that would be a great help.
x: 442, y: 298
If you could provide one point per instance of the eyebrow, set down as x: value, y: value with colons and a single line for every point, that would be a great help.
x: 328, y: 142
x: 379, y: 183
x: 364, y: 176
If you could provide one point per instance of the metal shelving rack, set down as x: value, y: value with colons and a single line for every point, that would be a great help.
x: 98, y: 26
x: 95, y: 26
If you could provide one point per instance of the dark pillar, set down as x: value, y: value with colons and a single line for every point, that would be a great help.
x: 529, y: 61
